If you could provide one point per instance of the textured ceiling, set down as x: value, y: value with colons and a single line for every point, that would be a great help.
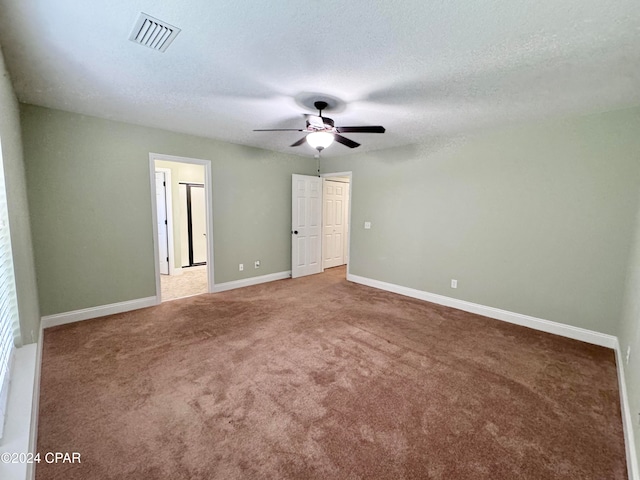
x: 423, y: 69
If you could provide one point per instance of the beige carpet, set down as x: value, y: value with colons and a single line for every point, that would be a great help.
x: 318, y: 378
x: 193, y: 281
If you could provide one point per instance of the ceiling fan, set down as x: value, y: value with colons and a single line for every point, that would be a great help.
x: 321, y: 131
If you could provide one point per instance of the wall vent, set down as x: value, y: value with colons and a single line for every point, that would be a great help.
x: 153, y: 33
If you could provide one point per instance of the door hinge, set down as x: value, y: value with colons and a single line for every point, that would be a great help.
x: 167, y: 259
x: 164, y: 184
x: 165, y: 222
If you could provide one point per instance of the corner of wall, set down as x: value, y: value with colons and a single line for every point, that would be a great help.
x: 19, y: 220
x: 629, y: 349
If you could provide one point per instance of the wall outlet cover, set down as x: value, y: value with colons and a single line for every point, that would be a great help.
x: 367, y: 225
x: 454, y: 283
x: 241, y: 267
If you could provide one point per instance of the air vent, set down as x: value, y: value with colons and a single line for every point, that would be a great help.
x: 153, y: 33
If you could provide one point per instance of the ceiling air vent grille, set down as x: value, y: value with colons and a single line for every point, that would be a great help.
x: 153, y: 33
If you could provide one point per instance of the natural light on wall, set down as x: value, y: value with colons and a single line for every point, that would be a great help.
x: 9, y: 326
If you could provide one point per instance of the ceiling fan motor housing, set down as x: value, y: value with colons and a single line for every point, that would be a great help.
x: 319, y: 123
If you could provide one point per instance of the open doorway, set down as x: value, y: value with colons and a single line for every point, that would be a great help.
x: 183, y: 242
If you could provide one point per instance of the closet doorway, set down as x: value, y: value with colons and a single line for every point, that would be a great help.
x: 320, y: 223
x: 193, y: 230
x: 335, y: 221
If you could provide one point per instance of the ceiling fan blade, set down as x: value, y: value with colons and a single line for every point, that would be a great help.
x: 280, y: 130
x: 345, y: 141
x: 299, y: 142
x: 372, y: 129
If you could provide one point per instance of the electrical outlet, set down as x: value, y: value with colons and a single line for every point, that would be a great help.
x: 628, y: 355
x: 454, y: 283
x: 367, y: 225
x: 241, y: 267
x: 257, y: 264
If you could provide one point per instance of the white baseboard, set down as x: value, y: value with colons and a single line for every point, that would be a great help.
x: 35, y: 407
x: 627, y: 420
x: 20, y: 412
x: 95, y: 312
x: 246, y: 282
x: 548, y: 326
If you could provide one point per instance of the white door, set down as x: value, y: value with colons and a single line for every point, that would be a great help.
x: 334, y: 230
x: 163, y: 236
x: 198, y: 224
x: 306, y: 219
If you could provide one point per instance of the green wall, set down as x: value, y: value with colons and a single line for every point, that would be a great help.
x: 90, y: 202
x: 12, y: 163
x: 535, y: 219
x: 629, y: 333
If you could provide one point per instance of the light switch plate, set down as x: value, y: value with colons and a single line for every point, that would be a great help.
x: 367, y: 225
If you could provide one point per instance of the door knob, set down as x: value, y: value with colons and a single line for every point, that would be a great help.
x: 295, y: 232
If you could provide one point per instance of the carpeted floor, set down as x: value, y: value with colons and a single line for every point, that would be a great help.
x: 318, y: 378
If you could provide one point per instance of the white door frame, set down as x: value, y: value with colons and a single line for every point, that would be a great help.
x: 350, y: 175
x: 154, y: 212
x: 169, y: 201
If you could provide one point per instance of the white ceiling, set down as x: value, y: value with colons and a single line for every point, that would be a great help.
x: 421, y: 68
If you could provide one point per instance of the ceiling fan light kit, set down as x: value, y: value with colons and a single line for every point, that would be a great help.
x: 322, y: 132
x: 320, y: 140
